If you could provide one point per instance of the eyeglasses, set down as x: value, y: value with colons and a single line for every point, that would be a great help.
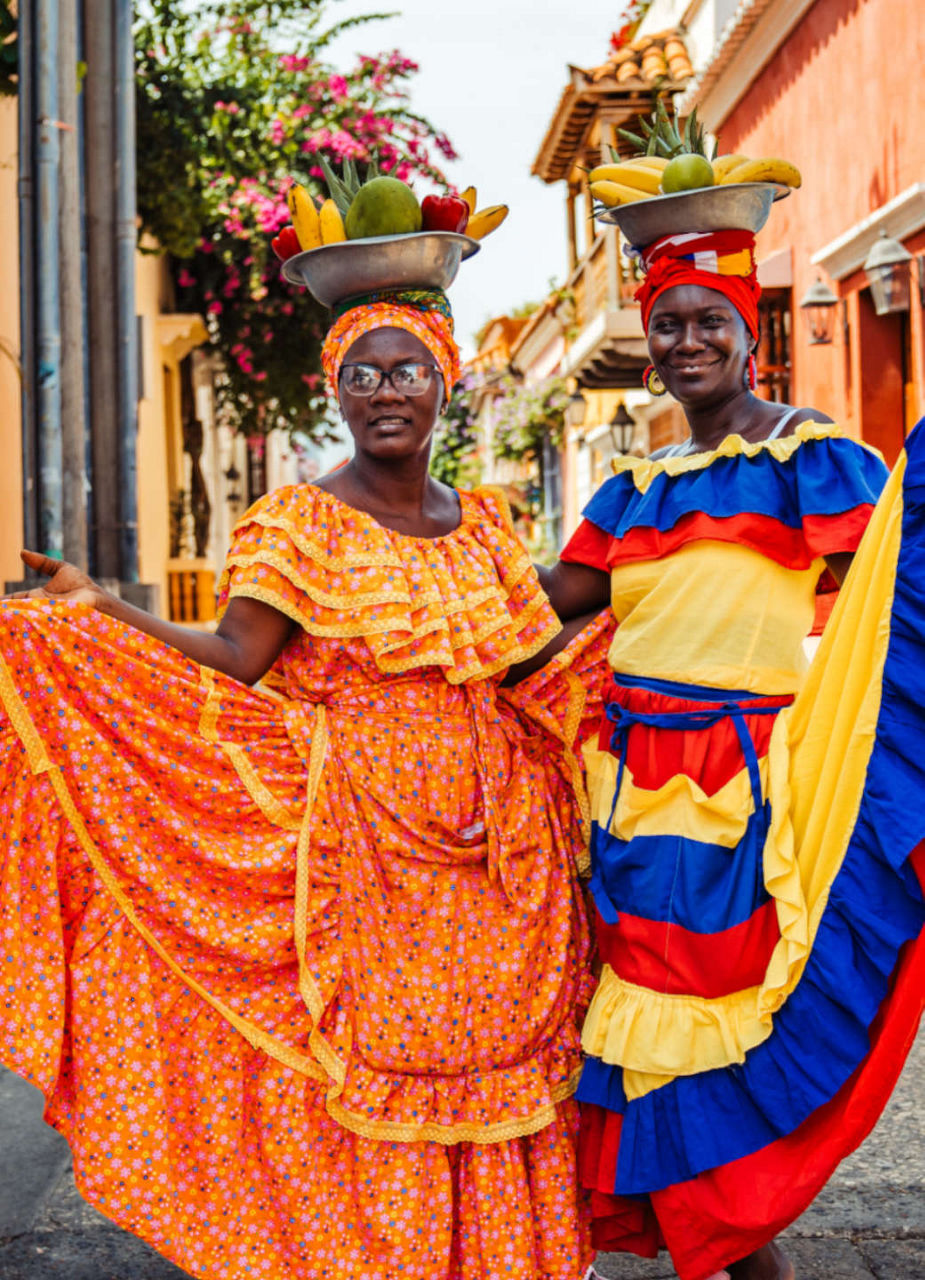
x: 406, y: 379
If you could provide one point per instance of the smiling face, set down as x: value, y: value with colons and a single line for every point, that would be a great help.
x: 699, y: 344
x: 388, y: 424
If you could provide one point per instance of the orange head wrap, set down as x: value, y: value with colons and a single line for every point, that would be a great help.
x: 720, y: 260
x: 424, y: 313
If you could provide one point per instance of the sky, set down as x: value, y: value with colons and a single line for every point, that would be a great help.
x: 490, y: 77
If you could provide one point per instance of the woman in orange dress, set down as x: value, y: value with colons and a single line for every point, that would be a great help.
x: 301, y: 969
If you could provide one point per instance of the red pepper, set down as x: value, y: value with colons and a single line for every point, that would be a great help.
x: 286, y: 244
x: 444, y: 213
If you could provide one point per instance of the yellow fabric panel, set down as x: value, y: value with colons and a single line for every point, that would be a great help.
x: 663, y: 1035
x: 816, y: 768
x: 645, y: 470
x: 752, y: 636
x: 681, y: 807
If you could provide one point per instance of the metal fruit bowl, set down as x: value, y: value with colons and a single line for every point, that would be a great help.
x: 352, y: 268
x: 732, y: 206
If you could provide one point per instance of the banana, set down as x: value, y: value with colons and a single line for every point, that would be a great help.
x: 332, y: 223
x: 629, y: 173
x: 304, y: 217
x: 650, y: 162
x: 470, y: 196
x: 768, y: 169
x: 723, y: 164
x: 613, y: 193
x: 486, y: 220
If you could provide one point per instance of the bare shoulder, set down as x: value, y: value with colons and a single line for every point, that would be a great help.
x: 798, y: 417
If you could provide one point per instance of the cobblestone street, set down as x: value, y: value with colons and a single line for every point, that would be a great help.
x: 869, y: 1223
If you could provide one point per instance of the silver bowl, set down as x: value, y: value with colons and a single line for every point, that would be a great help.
x: 733, y: 206
x: 352, y: 268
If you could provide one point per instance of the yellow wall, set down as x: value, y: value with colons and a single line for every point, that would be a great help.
x: 154, y: 415
x: 10, y: 387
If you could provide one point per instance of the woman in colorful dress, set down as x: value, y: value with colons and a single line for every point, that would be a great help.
x: 301, y: 969
x: 757, y: 890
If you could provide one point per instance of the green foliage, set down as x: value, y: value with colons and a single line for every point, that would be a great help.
x: 234, y: 101
x: 9, y: 50
x: 452, y: 458
x: 526, y: 414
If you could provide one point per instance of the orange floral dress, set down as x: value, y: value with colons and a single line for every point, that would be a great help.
x: 301, y: 969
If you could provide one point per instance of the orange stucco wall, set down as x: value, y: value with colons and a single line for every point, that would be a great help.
x: 845, y: 100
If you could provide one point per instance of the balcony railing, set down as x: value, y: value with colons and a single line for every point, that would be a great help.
x: 604, y: 278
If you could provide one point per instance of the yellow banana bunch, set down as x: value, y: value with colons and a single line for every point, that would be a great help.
x: 613, y: 193
x: 331, y: 223
x: 485, y: 221
x: 630, y: 173
x: 304, y: 216
x: 723, y: 165
x: 767, y: 169
x: 470, y: 196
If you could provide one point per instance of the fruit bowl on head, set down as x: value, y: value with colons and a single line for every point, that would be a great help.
x: 354, y: 268
x: 733, y: 206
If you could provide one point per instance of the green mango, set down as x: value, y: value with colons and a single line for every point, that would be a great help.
x: 382, y: 207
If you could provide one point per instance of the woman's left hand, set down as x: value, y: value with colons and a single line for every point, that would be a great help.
x: 65, y: 582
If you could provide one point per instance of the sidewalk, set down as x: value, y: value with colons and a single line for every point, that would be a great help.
x: 869, y: 1223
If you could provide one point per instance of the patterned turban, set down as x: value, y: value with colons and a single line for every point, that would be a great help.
x: 720, y: 260
x: 424, y: 313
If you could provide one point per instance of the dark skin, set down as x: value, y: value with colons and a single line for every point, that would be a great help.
x: 388, y: 478
x: 700, y: 346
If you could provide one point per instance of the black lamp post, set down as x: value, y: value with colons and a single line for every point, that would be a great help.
x: 888, y: 268
x: 818, y: 305
x: 622, y: 429
x: 576, y: 410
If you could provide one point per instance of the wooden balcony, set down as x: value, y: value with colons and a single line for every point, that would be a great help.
x: 607, y: 348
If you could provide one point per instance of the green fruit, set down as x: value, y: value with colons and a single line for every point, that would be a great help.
x: 382, y: 207
x: 687, y: 173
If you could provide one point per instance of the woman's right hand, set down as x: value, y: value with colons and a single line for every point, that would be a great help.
x: 65, y: 582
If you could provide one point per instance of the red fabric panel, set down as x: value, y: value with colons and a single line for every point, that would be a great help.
x: 711, y: 757
x: 588, y: 545
x: 763, y: 534
x: 666, y: 957
x: 825, y: 535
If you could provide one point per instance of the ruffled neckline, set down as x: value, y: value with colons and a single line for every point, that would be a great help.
x: 468, y: 601
x: 645, y: 470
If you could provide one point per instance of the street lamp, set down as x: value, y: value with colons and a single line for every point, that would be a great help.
x: 622, y: 430
x: 576, y: 409
x: 888, y: 271
x: 818, y: 305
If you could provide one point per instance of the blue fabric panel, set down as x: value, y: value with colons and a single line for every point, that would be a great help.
x: 875, y: 907
x: 702, y: 887
x: 822, y: 478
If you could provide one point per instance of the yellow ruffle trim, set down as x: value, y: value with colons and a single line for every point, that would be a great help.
x: 645, y: 470
x: 816, y: 766
x: 679, y: 807
x: 469, y: 602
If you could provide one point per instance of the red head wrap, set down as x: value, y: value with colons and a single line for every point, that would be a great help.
x: 720, y: 260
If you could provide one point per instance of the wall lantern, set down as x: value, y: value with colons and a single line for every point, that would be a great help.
x: 818, y: 305
x: 888, y: 271
x: 576, y: 409
x: 622, y: 430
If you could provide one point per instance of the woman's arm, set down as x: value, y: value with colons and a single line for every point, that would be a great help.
x: 249, y: 638
x: 574, y: 589
x: 838, y: 564
x: 570, y: 629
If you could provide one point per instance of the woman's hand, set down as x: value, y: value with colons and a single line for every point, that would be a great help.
x: 65, y: 582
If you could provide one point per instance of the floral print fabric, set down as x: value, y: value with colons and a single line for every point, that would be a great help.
x: 301, y: 969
